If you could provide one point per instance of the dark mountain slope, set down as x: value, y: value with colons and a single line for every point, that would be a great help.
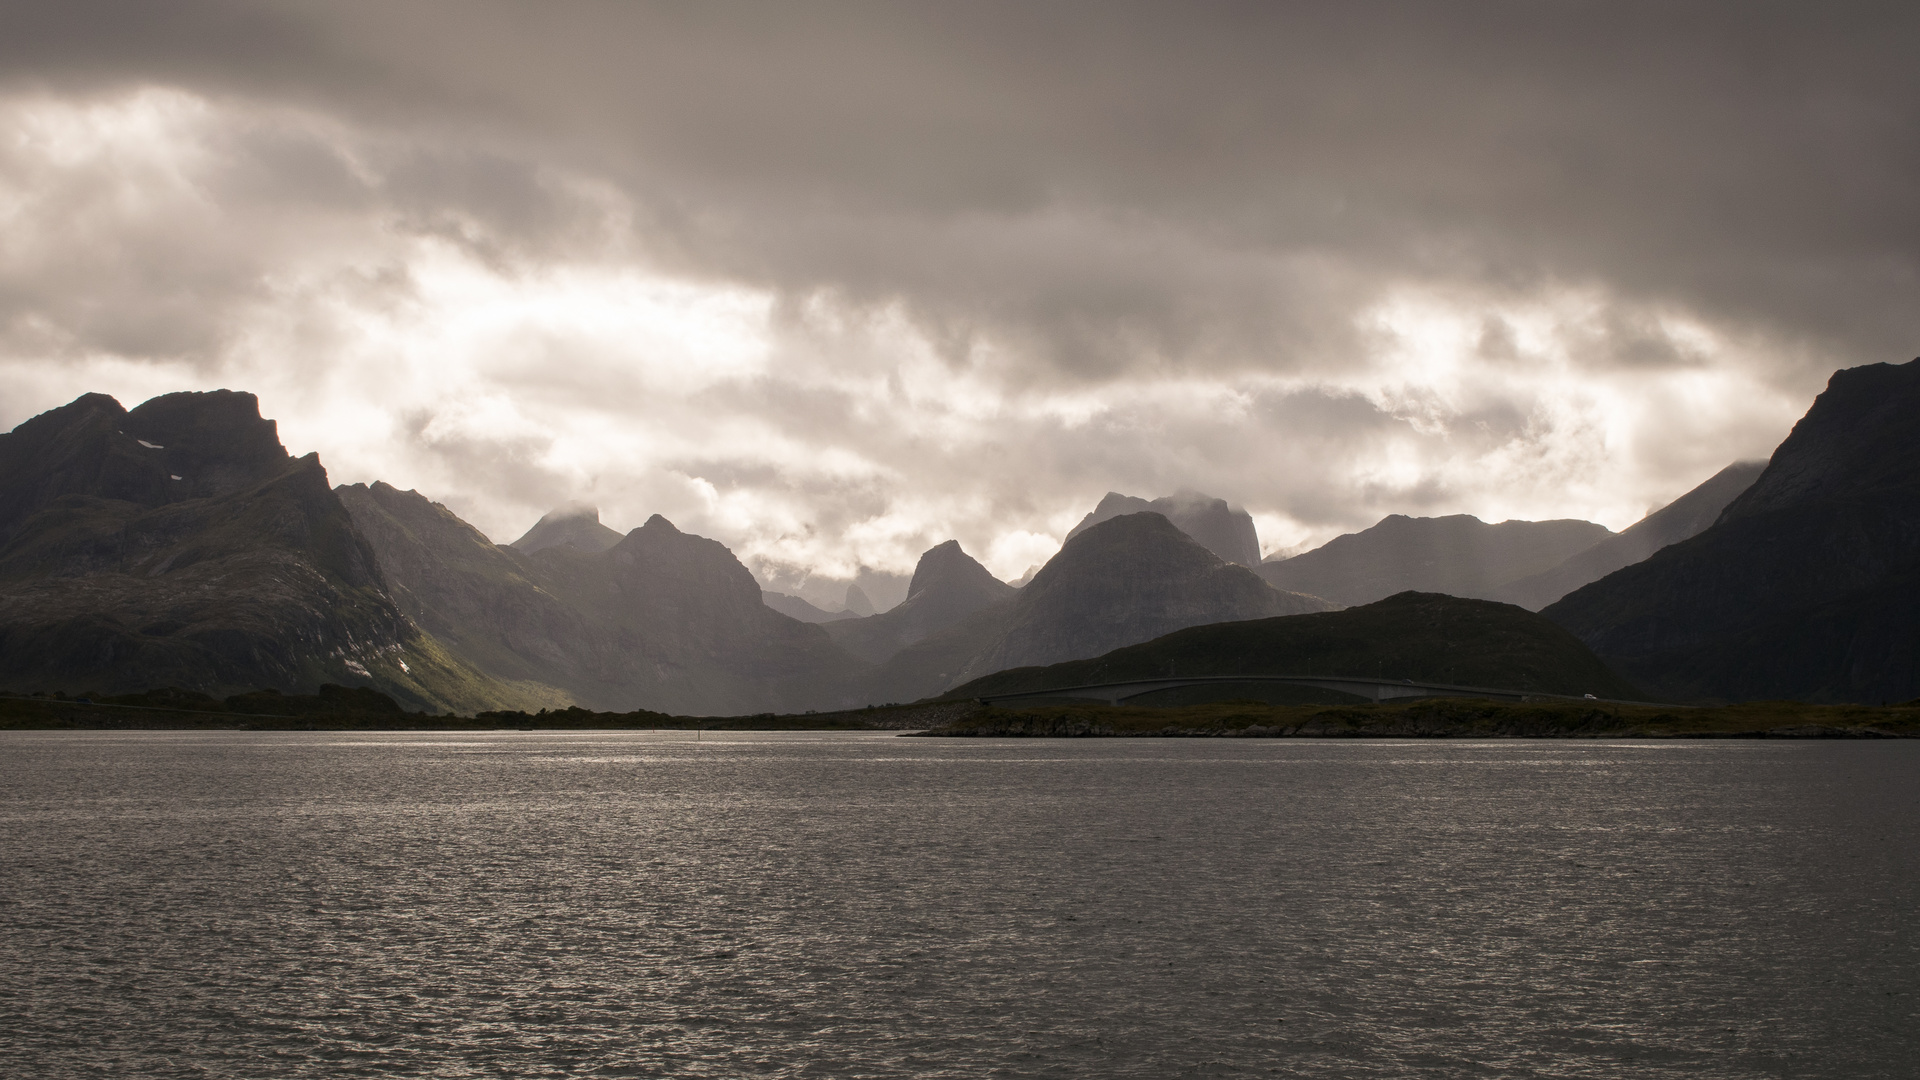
x: 1126, y: 580
x: 1458, y: 555
x: 1219, y: 528
x: 1423, y: 636
x: 482, y: 601
x: 179, y: 544
x: 1804, y: 587
x: 948, y: 585
x: 681, y: 628
x: 661, y: 620
x: 1688, y: 516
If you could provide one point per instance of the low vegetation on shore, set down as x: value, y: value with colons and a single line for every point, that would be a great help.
x: 1447, y: 718
x: 344, y: 708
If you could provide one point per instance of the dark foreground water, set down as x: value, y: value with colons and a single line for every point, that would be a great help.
x: 631, y: 904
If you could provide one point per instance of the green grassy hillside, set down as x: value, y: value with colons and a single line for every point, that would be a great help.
x: 1422, y: 636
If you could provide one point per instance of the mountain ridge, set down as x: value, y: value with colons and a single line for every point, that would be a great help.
x: 1804, y: 587
x: 1459, y: 555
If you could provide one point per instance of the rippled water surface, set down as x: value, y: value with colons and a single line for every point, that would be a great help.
x: 833, y: 905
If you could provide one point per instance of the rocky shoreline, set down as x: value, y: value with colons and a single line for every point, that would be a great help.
x: 1439, y: 719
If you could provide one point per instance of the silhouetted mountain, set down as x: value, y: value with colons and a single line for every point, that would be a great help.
x: 1423, y: 636
x: 1808, y: 585
x: 1458, y: 555
x: 179, y: 544
x: 948, y: 585
x: 1689, y: 515
x: 661, y: 620
x: 857, y: 601
x: 1125, y: 580
x: 683, y: 628
x: 793, y: 607
x: 576, y: 527
x: 1226, y: 532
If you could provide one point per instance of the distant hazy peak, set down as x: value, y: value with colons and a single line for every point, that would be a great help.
x: 857, y: 601
x: 796, y: 608
x: 1459, y: 555
x: 1225, y: 530
x: 574, y: 526
x: 1683, y: 518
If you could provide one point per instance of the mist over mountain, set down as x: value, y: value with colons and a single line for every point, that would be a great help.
x: 1687, y: 516
x: 1221, y: 529
x: 576, y: 527
x: 179, y: 544
x: 1125, y: 580
x: 1459, y: 555
x: 1808, y: 584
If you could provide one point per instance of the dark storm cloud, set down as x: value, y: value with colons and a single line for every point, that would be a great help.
x: 1331, y: 260
x: 1753, y: 159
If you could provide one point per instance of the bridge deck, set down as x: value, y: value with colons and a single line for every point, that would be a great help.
x: 1373, y: 689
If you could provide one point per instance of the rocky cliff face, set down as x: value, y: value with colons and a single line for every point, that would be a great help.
x: 1458, y: 555
x: 948, y: 585
x: 1219, y: 528
x: 179, y: 544
x: 1688, y: 516
x: 1125, y: 580
x: 1806, y: 587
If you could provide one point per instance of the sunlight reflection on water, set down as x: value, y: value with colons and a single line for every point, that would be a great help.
x: 835, y: 904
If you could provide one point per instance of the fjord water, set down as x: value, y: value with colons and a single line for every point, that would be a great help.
x: 840, y: 905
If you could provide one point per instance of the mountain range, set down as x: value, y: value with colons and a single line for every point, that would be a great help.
x: 178, y: 543
x: 1124, y: 580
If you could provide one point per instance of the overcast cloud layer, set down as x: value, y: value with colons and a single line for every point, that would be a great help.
x: 833, y: 283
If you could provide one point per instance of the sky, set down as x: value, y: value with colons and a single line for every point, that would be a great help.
x: 835, y: 282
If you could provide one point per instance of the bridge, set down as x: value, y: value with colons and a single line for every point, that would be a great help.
x: 1373, y: 689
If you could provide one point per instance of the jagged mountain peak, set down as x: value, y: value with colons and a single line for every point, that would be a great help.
x: 166, y: 450
x: 946, y: 565
x: 1225, y: 530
